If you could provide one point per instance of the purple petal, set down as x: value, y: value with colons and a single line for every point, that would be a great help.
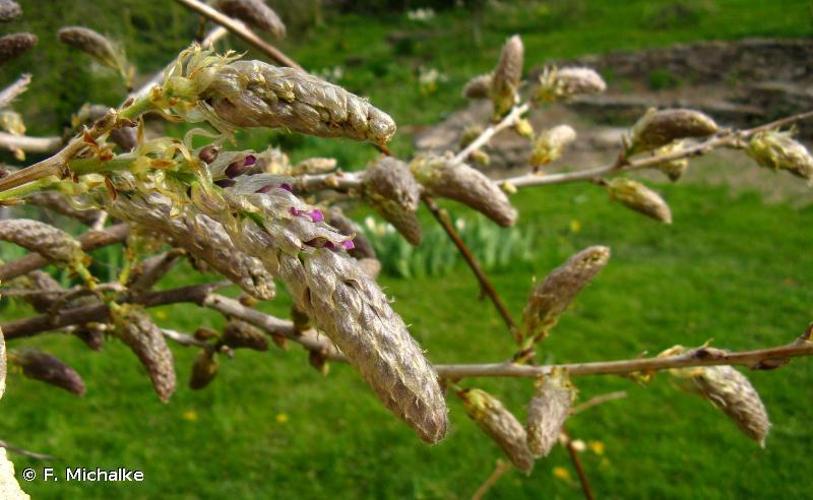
x: 249, y: 160
x: 264, y: 189
x: 316, y: 215
x: 287, y: 187
x: 348, y: 244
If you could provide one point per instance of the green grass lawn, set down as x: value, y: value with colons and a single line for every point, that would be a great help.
x: 730, y: 269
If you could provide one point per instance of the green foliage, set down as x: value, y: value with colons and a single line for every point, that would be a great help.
x: 495, y: 248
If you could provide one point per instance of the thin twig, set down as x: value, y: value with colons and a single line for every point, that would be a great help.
x: 29, y: 144
x: 577, y: 464
x: 598, y: 400
x: 26, y: 453
x: 508, y: 121
x: 8, y: 94
x: 90, y: 240
x: 501, y: 468
x: 485, y: 284
x: 241, y: 30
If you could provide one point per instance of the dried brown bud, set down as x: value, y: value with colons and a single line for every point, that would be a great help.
x: 507, y: 75
x: 204, y: 369
x: 209, y: 153
x: 91, y: 334
x: 239, y: 334
x: 500, y: 425
x: 565, y: 83
x: 205, y: 334
x: 14, y: 45
x: 674, y: 169
x: 659, y: 128
x: 550, y: 145
x: 547, y: 412
x: 95, y: 45
x: 640, y: 198
x: 9, y: 10
x: 392, y: 190
x: 135, y: 328
x: 254, y: 13
x: 318, y: 361
x: 124, y: 137
x: 778, y: 150
x: 478, y: 87
x: 550, y: 298
x: 256, y: 94
x: 731, y: 392
x: 41, y: 366
x: 362, y: 248
x: 458, y: 181
x: 52, y: 243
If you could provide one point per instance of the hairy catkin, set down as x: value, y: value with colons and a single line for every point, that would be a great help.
x: 135, y: 328
x: 457, y: 181
x: 507, y: 75
x: 640, y: 198
x: 547, y: 412
x: 566, y: 83
x: 9, y: 10
x: 500, y: 425
x: 201, y: 236
x: 255, y: 13
x: 550, y: 145
x: 92, y: 43
x: 778, y: 151
x: 362, y: 247
x: 345, y: 304
x: 478, y: 87
x: 239, y: 334
x: 550, y: 298
x: 257, y: 94
x: 659, y: 128
x: 40, y: 281
x: 52, y: 243
x: 204, y: 370
x: 674, y: 169
x: 392, y: 190
x: 46, y: 368
x: 14, y: 45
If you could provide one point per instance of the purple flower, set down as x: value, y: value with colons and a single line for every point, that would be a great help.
x: 316, y: 215
x: 348, y: 244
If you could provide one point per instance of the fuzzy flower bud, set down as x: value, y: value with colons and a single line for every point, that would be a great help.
x: 14, y: 45
x: 41, y: 366
x: 777, y: 150
x: 640, y: 198
x: 314, y: 166
x: 395, y: 194
x: 500, y: 425
x: 9, y: 10
x: 478, y: 87
x: 507, y: 75
x: 565, y: 83
x: 659, y: 128
x: 731, y: 392
x: 97, y: 46
x: 550, y: 298
x: 470, y: 134
x: 135, y: 328
x: 204, y: 370
x: 460, y: 182
x: 254, y: 13
x: 547, y: 412
x: 257, y: 94
x: 674, y: 169
x: 550, y: 145
x: 239, y: 334
x: 52, y: 243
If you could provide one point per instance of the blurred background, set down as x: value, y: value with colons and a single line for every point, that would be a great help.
x: 734, y: 268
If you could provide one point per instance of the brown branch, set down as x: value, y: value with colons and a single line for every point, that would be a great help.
x: 501, y: 468
x: 485, y: 284
x: 726, y: 139
x: 577, y: 464
x: 598, y: 400
x: 25, y: 453
x: 241, y: 30
x: 90, y: 240
x: 508, y: 121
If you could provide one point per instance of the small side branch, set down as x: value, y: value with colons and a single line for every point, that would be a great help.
x: 241, y: 30
x: 508, y: 121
